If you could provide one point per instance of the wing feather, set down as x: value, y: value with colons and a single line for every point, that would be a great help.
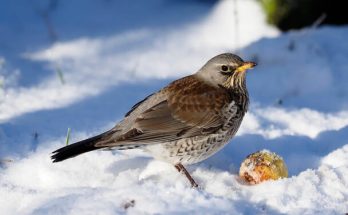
x: 189, y: 108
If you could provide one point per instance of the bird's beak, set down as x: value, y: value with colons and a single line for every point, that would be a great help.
x: 245, y: 66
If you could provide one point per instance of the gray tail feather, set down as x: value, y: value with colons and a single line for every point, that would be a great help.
x: 77, y: 148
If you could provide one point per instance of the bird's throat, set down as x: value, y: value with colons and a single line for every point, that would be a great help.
x: 236, y: 81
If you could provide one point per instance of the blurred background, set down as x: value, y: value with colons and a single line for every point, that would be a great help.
x: 297, y: 14
x: 82, y: 64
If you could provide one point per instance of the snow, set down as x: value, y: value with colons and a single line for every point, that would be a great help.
x: 111, y: 60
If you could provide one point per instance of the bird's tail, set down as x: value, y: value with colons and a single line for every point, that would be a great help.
x: 77, y: 148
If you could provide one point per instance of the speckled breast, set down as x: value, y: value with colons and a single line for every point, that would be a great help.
x: 195, y: 149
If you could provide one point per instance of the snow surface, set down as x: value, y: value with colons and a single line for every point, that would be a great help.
x: 115, y: 56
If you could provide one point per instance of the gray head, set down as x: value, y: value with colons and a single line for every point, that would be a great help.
x: 226, y: 70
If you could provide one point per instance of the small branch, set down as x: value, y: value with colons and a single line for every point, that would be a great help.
x: 51, y: 32
x: 318, y: 21
x: 60, y: 75
x: 45, y: 15
x: 67, y: 137
x: 236, y: 25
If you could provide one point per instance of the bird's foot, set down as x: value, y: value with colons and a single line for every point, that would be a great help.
x: 182, y: 170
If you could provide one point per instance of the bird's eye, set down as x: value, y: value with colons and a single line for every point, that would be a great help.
x: 224, y: 68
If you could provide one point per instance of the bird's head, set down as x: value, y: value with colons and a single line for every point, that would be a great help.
x: 227, y: 70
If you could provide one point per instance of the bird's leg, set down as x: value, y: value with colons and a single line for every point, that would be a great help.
x: 182, y: 169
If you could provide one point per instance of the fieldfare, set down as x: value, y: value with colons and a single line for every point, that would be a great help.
x: 183, y: 123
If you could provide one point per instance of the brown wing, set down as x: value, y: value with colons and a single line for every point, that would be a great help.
x: 191, y: 108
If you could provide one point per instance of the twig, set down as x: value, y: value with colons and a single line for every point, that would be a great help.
x: 67, y: 137
x: 60, y: 75
x: 51, y: 32
x: 318, y: 21
x: 45, y: 15
x: 236, y: 25
x: 306, y: 31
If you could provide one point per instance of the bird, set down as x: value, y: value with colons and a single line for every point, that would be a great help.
x: 183, y: 123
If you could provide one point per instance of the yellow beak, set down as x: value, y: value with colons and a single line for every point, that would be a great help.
x: 245, y: 66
